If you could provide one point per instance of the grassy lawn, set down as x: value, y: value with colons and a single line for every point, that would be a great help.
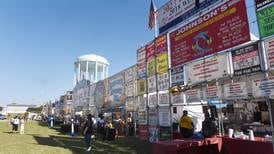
x: 40, y: 139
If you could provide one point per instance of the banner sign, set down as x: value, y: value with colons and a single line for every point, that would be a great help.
x: 129, y: 75
x: 116, y: 87
x: 142, y: 86
x: 141, y: 62
x: 92, y: 93
x: 151, y: 65
x: 207, y: 69
x: 143, y: 132
x: 161, y: 44
x: 152, y: 100
x: 129, y: 88
x: 263, y: 87
x: 265, y: 21
x: 261, y: 3
x: 224, y: 27
x: 164, y: 117
x: 176, y: 11
x: 213, y: 92
x: 142, y: 117
x: 246, y: 60
x: 164, y: 98
x: 161, y: 54
x: 130, y: 105
x: 235, y: 90
x: 165, y: 133
x: 193, y: 95
x: 163, y: 82
x: 177, y: 98
x: 269, y: 48
x: 153, y: 134
x: 99, y: 94
x: 142, y: 103
x: 151, y: 84
x: 152, y: 117
x: 177, y: 75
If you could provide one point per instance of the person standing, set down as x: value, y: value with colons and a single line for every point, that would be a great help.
x: 22, y: 125
x: 186, y: 125
x: 16, y: 124
x: 88, y: 129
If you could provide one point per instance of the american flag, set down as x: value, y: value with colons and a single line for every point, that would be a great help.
x: 152, y: 15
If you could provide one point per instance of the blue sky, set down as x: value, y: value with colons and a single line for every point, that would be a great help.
x: 40, y: 40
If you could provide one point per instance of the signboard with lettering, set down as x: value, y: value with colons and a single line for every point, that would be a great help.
x: 193, y: 95
x: 177, y: 75
x: 177, y: 98
x: 163, y: 81
x: 151, y: 84
x: 161, y: 54
x: 263, y: 87
x: 152, y: 100
x: 261, y: 3
x: 269, y: 48
x: 266, y: 22
x: 142, y: 103
x: 213, y: 92
x: 236, y: 90
x: 141, y: 86
x: 164, y: 98
x: 141, y: 62
x: 164, y: 116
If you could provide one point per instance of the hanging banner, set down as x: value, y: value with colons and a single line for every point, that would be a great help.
x: 165, y: 133
x: 162, y: 63
x: 263, y: 87
x: 177, y: 75
x: 164, y: 117
x: 261, y: 3
x: 152, y: 100
x: 129, y: 88
x: 235, y: 91
x: 142, y: 103
x: 92, y: 93
x: 129, y: 75
x: 176, y: 11
x: 161, y: 54
x: 152, y: 117
x: 99, y: 94
x: 163, y: 82
x: 142, y: 86
x: 142, y: 117
x: 213, y: 92
x: 153, y: 134
x: 193, y: 95
x: 265, y: 21
x: 116, y: 87
x: 151, y: 65
x: 141, y: 62
x: 130, y: 105
x: 151, y: 84
x: 224, y: 27
x: 246, y: 60
x: 207, y: 69
x: 177, y: 98
x: 161, y: 44
x: 143, y: 132
x: 269, y: 48
x: 164, y: 98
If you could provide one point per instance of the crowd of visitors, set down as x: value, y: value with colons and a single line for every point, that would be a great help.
x: 18, y: 123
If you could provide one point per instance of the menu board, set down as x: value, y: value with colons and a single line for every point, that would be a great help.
x: 236, y: 90
x: 164, y: 98
x: 193, y: 95
x: 269, y: 47
x: 263, y: 87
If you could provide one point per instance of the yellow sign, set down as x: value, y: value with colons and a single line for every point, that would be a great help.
x: 162, y: 63
x: 151, y: 68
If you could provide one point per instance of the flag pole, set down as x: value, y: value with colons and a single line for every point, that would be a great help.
x: 155, y: 23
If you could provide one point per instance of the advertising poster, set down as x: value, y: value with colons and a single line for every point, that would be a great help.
x: 246, y: 60
x: 99, y: 94
x: 129, y: 88
x: 163, y: 82
x: 143, y: 132
x: 142, y: 103
x: 265, y: 21
x: 152, y: 117
x: 129, y: 75
x: 142, y: 86
x: 269, y: 48
x: 176, y: 11
x: 152, y: 100
x: 207, y: 69
x: 164, y: 117
x: 153, y: 134
x: 193, y: 95
x: 177, y: 75
x: 151, y: 84
x: 165, y: 133
x: 130, y: 105
x: 235, y: 91
x: 263, y: 87
x: 92, y: 93
x: 224, y: 27
x: 261, y: 3
x: 141, y: 62
x: 116, y: 88
x: 164, y: 98
x: 142, y: 117
x: 161, y: 54
x: 151, y: 64
x: 213, y: 92
x: 177, y: 98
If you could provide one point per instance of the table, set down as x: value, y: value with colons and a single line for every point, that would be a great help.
x: 187, y: 146
x: 240, y: 146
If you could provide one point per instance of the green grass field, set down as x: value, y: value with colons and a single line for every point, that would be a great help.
x: 39, y: 139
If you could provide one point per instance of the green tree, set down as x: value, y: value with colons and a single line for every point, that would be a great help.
x: 35, y: 110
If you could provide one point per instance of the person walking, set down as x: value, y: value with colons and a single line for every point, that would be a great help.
x: 186, y: 125
x: 88, y: 130
x: 22, y: 125
x: 16, y: 123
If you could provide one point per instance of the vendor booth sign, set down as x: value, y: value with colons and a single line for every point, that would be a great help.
x: 142, y: 103
x: 236, y: 90
x: 193, y: 95
x: 152, y: 117
x: 177, y: 98
x: 141, y: 62
x: 141, y: 86
x: 129, y: 76
x: 164, y: 98
x: 263, y: 87
x: 151, y: 62
x: 213, y: 92
x: 246, y: 60
x: 222, y: 28
x: 164, y: 117
x: 261, y: 3
x: 153, y: 134
x: 163, y: 82
x: 130, y: 105
x: 177, y: 75
x: 207, y: 69
x: 269, y: 47
x: 142, y: 117
x: 152, y: 100
x: 116, y: 87
x: 129, y: 88
x: 265, y: 21
x: 161, y: 54
x: 152, y: 84
x: 143, y: 132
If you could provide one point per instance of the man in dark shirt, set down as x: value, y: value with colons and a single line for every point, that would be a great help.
x: 88, y: 130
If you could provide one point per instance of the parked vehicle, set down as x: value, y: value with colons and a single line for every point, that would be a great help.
x: 2, y: 117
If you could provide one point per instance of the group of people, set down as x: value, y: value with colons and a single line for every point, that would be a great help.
x: 16, y: 123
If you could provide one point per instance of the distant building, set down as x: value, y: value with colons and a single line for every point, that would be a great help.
x: 18, y: 108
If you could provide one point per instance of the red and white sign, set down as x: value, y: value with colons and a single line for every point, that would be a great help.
x: 163, y: 82
x: 164, y: 117
x: 152, y: 117
x: 263, y: 87
x: 213, y: 92
x: 193, y: 95
x: 207, y: 69
x: 224, y: 27
x: 151, y: 84
x: 161, y: 44
x: 164, y: 98
x: 235, y: 91
x: 142, y: 117
x: 141, y: 62
x: 269, y: 47
x: 177, y: 75
x: 143, y: 132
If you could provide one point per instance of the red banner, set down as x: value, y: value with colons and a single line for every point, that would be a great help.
x: 143, y: 132
x: 161, y: 44
x: 150, y: 50
x: 224, y: 27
